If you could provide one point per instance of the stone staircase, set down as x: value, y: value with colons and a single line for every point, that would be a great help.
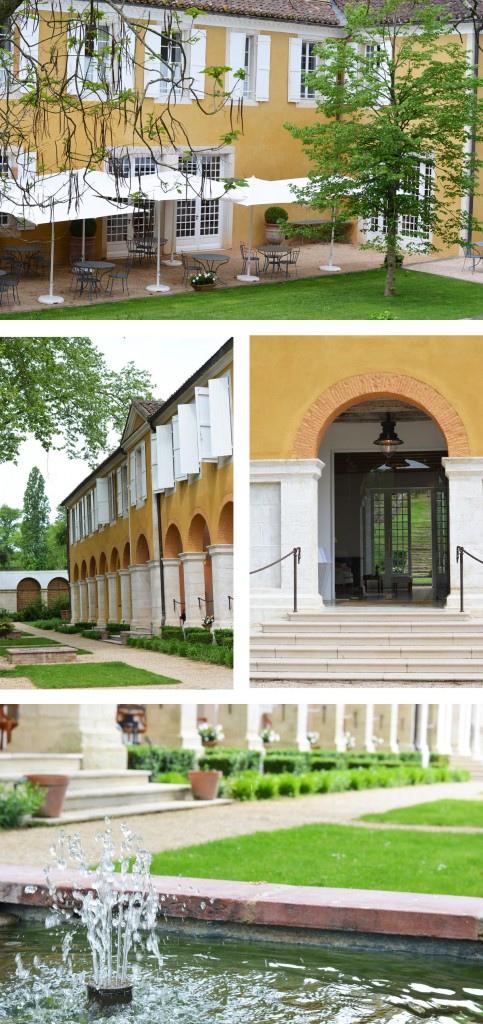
x: 469, y: 764
x: 394, y: 645
x: 94, y: 794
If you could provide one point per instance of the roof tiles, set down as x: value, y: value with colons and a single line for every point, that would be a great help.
x: 309, y: 12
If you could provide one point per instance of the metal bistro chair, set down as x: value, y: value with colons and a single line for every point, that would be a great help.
x: 12, y: 280
x: 190, y: 268
x: 121, y: 275
x: 254, y: 259
x: 86, y: 280
x: 290, y: 260
x: 4, y: 290
x: 473, y: 255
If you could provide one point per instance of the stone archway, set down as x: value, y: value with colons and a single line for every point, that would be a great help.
x: 28, y: 590
x: 352, y: 390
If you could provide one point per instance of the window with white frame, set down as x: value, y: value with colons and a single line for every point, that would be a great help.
x: 98, y: 53
x: 302, y: 60
x: 89, y: 513
x: 415, y: 224
x: 174, y: 63
x: 6, y: 54
x: 122, y: 490
x: 249, y: 54
x: 101, y: 56
x: 307, y: 65
x: 171, y: 55
x: 138, y: 475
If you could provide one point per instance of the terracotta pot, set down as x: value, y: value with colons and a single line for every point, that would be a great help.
x: 204, y: 785
x: 124, y: 634
x: 65, y: 614
x: 203, y: 287
x: 76, y: 246
x: 56, y: 786
x: 274, y: 234
x: 210, y: 743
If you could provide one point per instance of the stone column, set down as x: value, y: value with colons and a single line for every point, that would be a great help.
x: 155, y: 585
x: 141, y: 596
x: 194, y: 585
x: 222, y: 574
x: 476, y: 731
x: 75, y: 602
x: 393, y: 742
x: 83, y: 600
x: 423, y: 733
x: 302, y: 726
x: 369, y: 729
x: 339, y: 738
x: 125, y: 578
x: 101, y: 601
x: 190, y: 737
x: 111, y: 578
x: 253, y: 738
x: 87, y: 729
x: 464, y: 729
x: 92, y: 598
x: 443, y: 745
x: 284, y: 513
x: 449, y: 728
x: 172, y: 590
x: 465, y: 478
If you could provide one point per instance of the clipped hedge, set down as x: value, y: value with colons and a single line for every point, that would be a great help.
x: 84, y: 625
x: 117, y: 627
x: 92, y: 634
x: 172, y: 633
x: 279, y: 761
x: 159, y: 760
x: 194, y: 652
x: 45, y: 623
x: 251, y: 786
x: 230, y: 760
x: 67, y: 629
x: 224, y: 637
x: 198, y: 635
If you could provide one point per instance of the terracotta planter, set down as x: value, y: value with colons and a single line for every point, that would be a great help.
x: 209, y: 743
x: 124, y: 635
x: 56, y: 786
x: 274, y: 234
x: 204, y: 785
x: 203, y: 287
x: 65, y: 614
x: 76, y: 246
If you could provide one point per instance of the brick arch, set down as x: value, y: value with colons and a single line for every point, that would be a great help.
x: 172, y: 542
x: 76, y: 573
x: 114, y: 563
x: 142, y: 550
x: 198, y: 533
x: 92, y: 567
x: 126, y: 555
x: 102, y: 564
x: 224, y: 532
x: 352, y: 390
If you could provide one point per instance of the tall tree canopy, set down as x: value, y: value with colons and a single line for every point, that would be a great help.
x: 35, y: 520
x: 61, y: 391
x: 400, y: 117
x: 9, y: 524
x: 56, y: 540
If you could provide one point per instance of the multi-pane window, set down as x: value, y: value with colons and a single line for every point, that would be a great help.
x: 143, y: 219
x: 248, y: 66
x: 144, y: 164
x: 5, y: 53
x: 117, y: 228
x: 112, y: 497
x: 206, y: 211
x: 171, y: 52
x: 308, y: 64
x: 89, y: 515
x: 420, y: 186
x: 98, y: 55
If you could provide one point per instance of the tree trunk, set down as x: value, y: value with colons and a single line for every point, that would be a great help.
x: 391, y: 246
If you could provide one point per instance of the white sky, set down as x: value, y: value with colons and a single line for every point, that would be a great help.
x: 171, y: 353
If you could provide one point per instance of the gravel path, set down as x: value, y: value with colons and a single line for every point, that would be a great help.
x: 192, y: 674
x: 169, y: 831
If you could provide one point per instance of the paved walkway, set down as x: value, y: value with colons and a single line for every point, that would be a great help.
x: 168, y: 831
x: 193, y: 675
x: 447, y: 268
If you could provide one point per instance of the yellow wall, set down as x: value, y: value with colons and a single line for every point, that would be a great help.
x: 288, y: 374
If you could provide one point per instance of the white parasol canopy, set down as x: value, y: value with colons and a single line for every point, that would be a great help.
x: 260, y: 192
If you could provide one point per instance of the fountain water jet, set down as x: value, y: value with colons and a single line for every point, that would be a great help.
x: 118, y: 908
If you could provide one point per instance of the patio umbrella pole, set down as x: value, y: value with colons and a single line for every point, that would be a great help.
x: 51, y: 299
x: 329, y: 267
x: 158, y: 287
x: 172, y: 262
x: 83, y: 240
x: 249, y: 277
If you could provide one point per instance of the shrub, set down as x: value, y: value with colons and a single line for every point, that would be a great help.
x: 67, y: 629
x: 242, y: 787
x: 6, y: 627
x: 267, y: 787
x: 274, y: 214
x: 39, y: 610
x: 84, y: 625
x: 281, y: 761
x: 5, y: 614
x: 196, y: 652
x: 159, y: 760
x: 61, y: 604
x: 115, y: 628
x: 46, y: 623
x: 288, y: 784
x: 172, y: 633
x: 174, y: 777
x: 198, y: 635
x: 306, y: 783
x: 320, y: 762
x: 17, y: 803
x: 231, y: 760
x: 91, y: 634
x: 224, y: 637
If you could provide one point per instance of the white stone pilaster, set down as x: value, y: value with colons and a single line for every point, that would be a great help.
x: 92, y: 598
x: 476, y: 749
x: 155, y: 584
x: 253, y: 738
x: 141, y: 596
x: 125, y: 578
x: 194, y: 585
x: 222, y: 576
x: 111, y: 578
x: 284, y: 511
x: 423, y: 733
x: 465, y: 478
x: 101, y: 600
x: 190, y: 737
x: 393, y: 729
x: 464, y: 729
x: 302, y: 726
x: 172, y: 590
x: 339, y: 738
x: 369, y: 729
x: 443, y: 745
x: 79, y: 728
x: 84, y: 614
x: 101, y: 740
x: 75, y: 602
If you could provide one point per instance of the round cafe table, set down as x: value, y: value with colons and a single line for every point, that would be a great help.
x: 273, y: 254
x: 210, y: 261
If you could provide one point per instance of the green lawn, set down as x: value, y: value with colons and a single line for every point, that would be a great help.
x: 109, y: 673
x: 436, y: 812
x: 29, y: 641
x: 358, y: 296
x: 338, y: 855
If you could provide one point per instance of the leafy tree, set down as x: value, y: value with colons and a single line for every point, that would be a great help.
x: 61, y: 391
x: 56, y: 541
x: 391, y: 93
x: 9, y: 522
x: 35, y: 520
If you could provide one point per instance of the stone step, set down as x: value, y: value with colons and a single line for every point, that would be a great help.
x: 284, y: 674
x: 152, y: 793
x: 15, y: 765
x: 350, y: 638
x: 127, y: 811
x: 297, y: 667
x: 323, y: 651
x: 108, y: 777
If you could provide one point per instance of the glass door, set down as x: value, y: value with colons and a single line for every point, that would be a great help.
x: 198, y: 221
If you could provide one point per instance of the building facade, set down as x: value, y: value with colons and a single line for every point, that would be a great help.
x: 151, y: 529
x: 164, y: 62
x: 20, y: 587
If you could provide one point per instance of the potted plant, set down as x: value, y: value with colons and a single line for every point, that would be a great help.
x: 208, y: 621
x: 56, y: 787
x: 210, y: 734
x: 274, y: 232
x: 76, y: 237
x: 205, y: 785
x: 268, y: 735
x: 313, y: 738
x: 205, y: 281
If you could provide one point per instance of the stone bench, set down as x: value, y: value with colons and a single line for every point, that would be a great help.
x: 40, y: 655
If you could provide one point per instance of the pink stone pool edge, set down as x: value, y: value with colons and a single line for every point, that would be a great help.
x: 290, y: 910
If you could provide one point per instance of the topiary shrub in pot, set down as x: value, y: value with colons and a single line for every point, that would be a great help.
x: 274, y: 231
x: 76, y: 237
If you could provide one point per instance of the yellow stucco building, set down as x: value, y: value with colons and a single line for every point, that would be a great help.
x: 271, y: 41
x: 151, y: 529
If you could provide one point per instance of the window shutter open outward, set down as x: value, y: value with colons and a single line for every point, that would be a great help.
x: 144, y: 487
x: 236, y: 62
x: 120, y: 509
x: 75, y: 55
x: 126, y: 59
x: 294, y: 70
x: 29, y: 47
x: 102, y: 501
x: 164, y: 443
x: 197, y: 61
x: 132, y: 461
x: 202, y: 400
x: 262, y: 87
x: 220, y: 417
x: 154, y: 463
x: 152, y: 62
x: 189, y: 458
x: 178, y: 475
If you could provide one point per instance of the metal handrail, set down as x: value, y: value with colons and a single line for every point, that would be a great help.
x: 203, y: 600
x: 460, y: 552
x: 175, y: 602
x: 296, y: 554
x: 230, y: 601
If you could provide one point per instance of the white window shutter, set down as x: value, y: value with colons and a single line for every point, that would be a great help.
x: 152, y: 62
x: 154, y: 463
x: 127, y: 59
x: 26, y: 168
x: 133, y: 477
x: 262, y: 85
x: 236, y: 62
x: 178, y: 475
x: 294, y: 69
x: 202, y: 400
x: 70, y: 514
x: 120, y: 509
x: 188, y: 439
x: 29, y: 47
x: 75, y: 56
x: 197, y: 59
x: 102, y: 500
x: 95, y: 511
x: 386, y: 56
x: 164, y: 442
x: 144, y: 488
x: 220, y: 416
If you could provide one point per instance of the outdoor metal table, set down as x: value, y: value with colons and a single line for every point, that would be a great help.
x: 210, y: 261
x: 474, y: 252
x: 25, y: 251
x: 102, y: 265
x: 273, y: 255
